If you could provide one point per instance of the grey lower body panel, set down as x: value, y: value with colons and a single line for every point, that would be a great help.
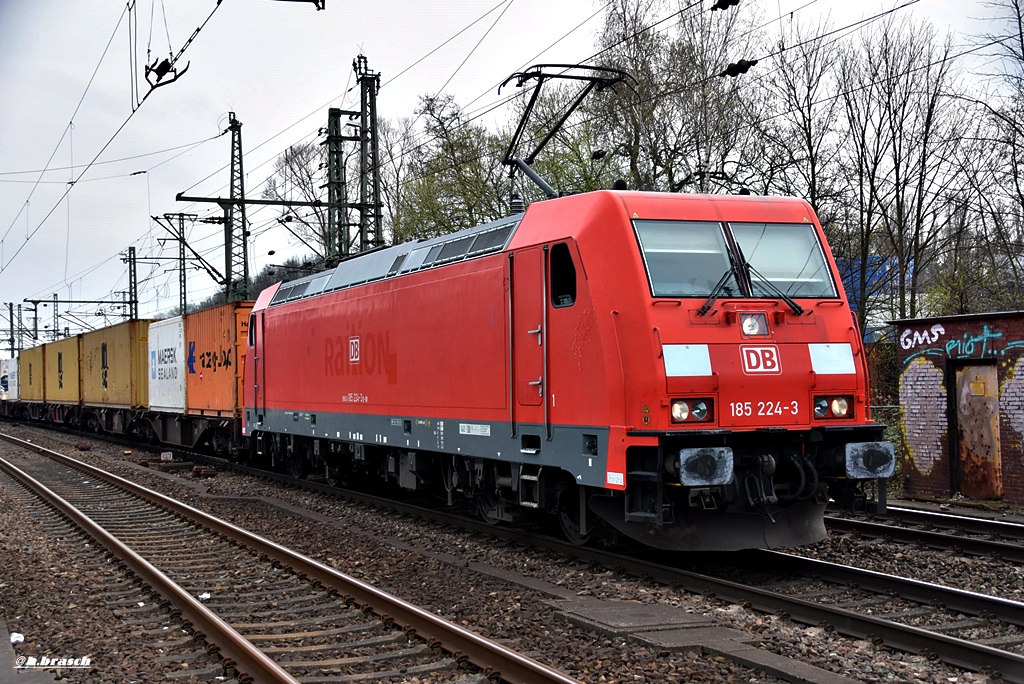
x: 579, y: 450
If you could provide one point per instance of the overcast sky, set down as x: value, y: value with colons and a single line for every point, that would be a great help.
x: 278, y: 66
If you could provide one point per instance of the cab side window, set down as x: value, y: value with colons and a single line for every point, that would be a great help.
x: 563, y: 276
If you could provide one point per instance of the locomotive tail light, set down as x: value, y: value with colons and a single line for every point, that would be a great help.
x: 754, y: 324
x: 833, y: 407
x: 820, y: 407
x: 699, y: 410
x: 691, y: 410
x: 870, y: 460
x: 705, y: 467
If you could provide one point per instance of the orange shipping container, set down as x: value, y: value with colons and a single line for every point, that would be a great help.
x: 62, y: 378
x: 30, y: 382
x: 215, y: 344
x: 115, y: 365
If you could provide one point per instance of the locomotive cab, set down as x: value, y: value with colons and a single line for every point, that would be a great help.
x: 755, y: 398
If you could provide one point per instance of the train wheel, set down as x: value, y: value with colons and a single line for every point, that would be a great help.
x: 298, y: 466
x: 569, y: 517
x: 332, y: 475
x: 489, y: 506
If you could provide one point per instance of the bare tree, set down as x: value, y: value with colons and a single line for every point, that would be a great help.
x: 684, y: 130
x: 905, y: 129
x: 803, y: 125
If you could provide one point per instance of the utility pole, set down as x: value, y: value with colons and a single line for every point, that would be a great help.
x: 35, y: 320
x: 338, y: 242
x: 180, y: 237
x: 126, y: 304
x: 236, y: 266
x: 370, y: 217
x: 133, y: 287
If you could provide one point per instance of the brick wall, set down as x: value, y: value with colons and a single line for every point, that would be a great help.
x: 929, y: 351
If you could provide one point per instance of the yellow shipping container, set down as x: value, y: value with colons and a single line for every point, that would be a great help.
x: 115, y: 366
x: 215, y: 344
x: 62, y: 380
x: 31, y: 385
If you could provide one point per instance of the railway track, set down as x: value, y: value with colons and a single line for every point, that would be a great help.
x: 946, y: 623
x: 970, y: 631
x: 271, y: 614
x: 957, y: 534
x: 960, y: 523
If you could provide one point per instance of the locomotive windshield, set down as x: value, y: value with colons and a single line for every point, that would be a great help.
x: 685, y: 258
x: 788, y: 255
x: 690, y: 258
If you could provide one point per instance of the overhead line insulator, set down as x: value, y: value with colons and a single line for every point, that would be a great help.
x: 737, y: 68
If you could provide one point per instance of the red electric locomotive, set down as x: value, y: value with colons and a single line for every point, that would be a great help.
x: 682, y: 370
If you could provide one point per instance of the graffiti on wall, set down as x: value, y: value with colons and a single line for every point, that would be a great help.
x: 980, y: 356
x: 922, y: 400
x: 933, y: 341
x: 1011, y: 397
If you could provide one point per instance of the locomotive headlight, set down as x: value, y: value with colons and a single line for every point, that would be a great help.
x: 692, y: 410
x: 840, y: 407
x: 821, y: 407
x: 833, y: 407
x: 754, y: 325
x: 699, y: 410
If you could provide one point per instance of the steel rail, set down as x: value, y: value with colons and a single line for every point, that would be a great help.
x: 981, y: 547
x: 951, y: 650
x: 959, y: 600
x: 490, y: 656
x: 970, y: 524
x: 238, y: 652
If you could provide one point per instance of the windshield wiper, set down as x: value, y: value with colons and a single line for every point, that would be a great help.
x: 717, y: 290
x: 772, y: 287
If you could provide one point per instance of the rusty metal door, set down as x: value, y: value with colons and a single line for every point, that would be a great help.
x: 979, y: 467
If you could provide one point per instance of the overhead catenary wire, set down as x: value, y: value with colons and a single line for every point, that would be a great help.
x: 466, y: 121
x: 73, y: 115
x: 71, y: 185
x: 712, y: 77
x: 488, y: 110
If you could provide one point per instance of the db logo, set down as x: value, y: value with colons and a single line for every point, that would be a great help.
x: 761, y: 360
x: 353, y: 350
